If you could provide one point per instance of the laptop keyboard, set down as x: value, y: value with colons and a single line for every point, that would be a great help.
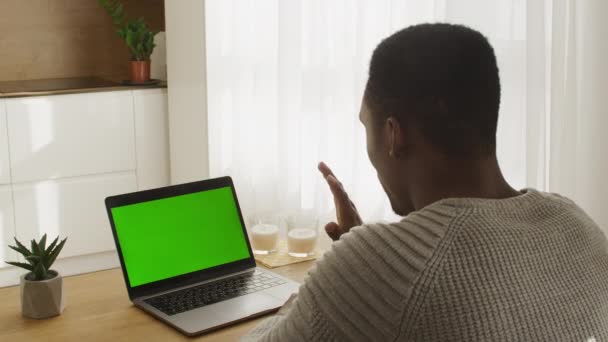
x: 205, y: 294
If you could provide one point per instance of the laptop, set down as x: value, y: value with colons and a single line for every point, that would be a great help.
x: 186, y: 258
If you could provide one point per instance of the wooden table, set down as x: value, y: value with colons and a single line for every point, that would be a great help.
x: 98, y: 309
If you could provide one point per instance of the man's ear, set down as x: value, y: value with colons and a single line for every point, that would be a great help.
x: 395, y: 135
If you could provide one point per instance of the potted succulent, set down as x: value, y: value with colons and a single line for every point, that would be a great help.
x: 138, y: 38
x: 41, y: 287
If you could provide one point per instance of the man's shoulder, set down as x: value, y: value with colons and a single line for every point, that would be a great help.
x: 425, y: 226
x: 388, y: 247
x: 369, y: 274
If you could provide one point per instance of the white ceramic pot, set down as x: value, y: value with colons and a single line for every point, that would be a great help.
x: 42, y: 299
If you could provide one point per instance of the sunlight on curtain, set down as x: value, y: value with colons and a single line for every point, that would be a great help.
x: 578, y: 73
x: 285, y: 80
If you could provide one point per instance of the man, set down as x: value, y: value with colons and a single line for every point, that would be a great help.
x: 473, y: 259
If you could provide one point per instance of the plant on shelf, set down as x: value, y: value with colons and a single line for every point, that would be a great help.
x: 136, y: 35
x: 41, y: 287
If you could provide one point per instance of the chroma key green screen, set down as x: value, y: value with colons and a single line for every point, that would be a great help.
x: 172, y: 236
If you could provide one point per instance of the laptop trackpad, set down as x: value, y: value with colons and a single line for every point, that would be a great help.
x: 225, y: 312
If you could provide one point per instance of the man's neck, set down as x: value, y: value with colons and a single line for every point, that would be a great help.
x: 459, y: 179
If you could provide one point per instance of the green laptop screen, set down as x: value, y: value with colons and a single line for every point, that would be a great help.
x: 168, y: 237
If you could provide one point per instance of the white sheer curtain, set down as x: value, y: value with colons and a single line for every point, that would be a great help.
x: 285, y: 80
x: 576, y: 85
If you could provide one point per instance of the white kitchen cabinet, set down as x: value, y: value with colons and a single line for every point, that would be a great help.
x: 4, y: 160
x: 151, y: 136
x: 72, y: 207
x: 70, y: 135
x: 62, y: 155
x: 7, y: 226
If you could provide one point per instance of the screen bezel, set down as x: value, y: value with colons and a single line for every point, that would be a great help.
x: 188, y: 278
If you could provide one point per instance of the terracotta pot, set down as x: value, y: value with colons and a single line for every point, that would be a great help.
x: 43, y: 298
x: 140, y: 71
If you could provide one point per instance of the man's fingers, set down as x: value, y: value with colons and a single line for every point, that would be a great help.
x: 353, y: 206
x: 325, y: 170
x: 334, y: 184
x: 337, y: 189
x: 345, y: 209
x: 333, y: 230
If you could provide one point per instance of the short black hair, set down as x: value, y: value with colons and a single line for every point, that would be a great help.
x: 444, y: 79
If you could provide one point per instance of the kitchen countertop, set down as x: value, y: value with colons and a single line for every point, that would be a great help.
x: 56, y: 86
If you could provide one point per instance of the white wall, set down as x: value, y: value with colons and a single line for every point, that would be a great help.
x: 186, y: 65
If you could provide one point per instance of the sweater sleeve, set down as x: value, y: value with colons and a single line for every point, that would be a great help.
x: 359, y: 289
x: 302, y: 323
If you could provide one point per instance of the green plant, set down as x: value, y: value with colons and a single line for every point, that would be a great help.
x: 135, y: 33
x: 39, y: 258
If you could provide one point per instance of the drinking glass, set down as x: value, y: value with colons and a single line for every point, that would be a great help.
x: 264, y: 234
x: 302, y: 233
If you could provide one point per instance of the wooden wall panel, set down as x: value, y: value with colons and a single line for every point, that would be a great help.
x: 66, y: 38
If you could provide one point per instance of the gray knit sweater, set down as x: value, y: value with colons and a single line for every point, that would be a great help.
x: 528, y: 268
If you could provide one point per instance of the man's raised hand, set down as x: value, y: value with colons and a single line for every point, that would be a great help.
x: 346, y: 211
